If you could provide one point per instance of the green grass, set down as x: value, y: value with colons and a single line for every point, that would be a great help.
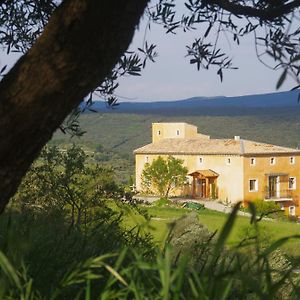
x: 118, y: 134
x: 270, y: 230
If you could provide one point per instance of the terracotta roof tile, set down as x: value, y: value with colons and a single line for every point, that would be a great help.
x: 205, y: 173
x: 212, y: 146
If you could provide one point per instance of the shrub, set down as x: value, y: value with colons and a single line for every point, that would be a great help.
x: 240, y: 273
x: 268, y: 208
x: 63, y: 214
x: 48, y: 246
x: 188, y: 237
x: 162, y: 202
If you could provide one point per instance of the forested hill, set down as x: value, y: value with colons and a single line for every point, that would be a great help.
x: 113, y: 134
x: 210, y: 105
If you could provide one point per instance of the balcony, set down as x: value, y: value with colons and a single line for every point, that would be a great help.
x: 281, y: 195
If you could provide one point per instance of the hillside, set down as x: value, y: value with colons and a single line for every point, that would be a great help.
x: 210, y: 105
x: 114, y: 134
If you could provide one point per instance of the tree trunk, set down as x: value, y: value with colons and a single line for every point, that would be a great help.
x: 81, y: 44
x: 167, y: 191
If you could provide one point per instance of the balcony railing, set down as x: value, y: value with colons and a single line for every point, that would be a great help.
x: 282, y: 194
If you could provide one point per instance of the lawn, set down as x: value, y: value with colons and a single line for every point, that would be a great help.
x: 269, y: 230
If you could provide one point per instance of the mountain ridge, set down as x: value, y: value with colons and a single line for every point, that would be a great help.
x: 285, y: 99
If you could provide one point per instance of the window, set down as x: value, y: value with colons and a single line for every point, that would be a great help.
x: 201, y: 160
x: 272, y: 161
x: 228, y: 161
x: 292, y: 183
x: 158, y: 132
x: 252, y: 161
x: 253, y: 185
x: 292, y: 160
x: 177, y: 132
x: 292, y: 210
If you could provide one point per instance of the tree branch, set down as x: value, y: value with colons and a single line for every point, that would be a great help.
x: 267, y: 14
x: 79, y: 47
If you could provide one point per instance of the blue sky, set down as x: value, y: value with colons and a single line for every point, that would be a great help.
x: 172, y: 77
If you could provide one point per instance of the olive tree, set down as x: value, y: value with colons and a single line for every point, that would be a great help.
x: 64, y: 180
x: 163, y: 176
x: 72, y: 48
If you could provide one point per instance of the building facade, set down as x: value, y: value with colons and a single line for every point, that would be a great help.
x: 231, y: 170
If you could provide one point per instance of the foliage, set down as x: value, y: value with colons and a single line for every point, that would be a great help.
x: 269, y: 231
x: 218, y: 122
x: 64, y: 180
x: 275, y: 35
x: 188, y: 237
x: 163, y: 176
x: 249, y: 232
x: 247, y: 272
x: 44, y: 246
x: 268, y: 208
x: 162, y: 202
x: 65, y: 212
x: 23, y: 21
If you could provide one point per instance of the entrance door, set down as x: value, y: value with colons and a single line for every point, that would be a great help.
x: 274, y: 186
x: 201, y: 188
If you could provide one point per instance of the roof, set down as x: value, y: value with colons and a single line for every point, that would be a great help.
x: 212, y: 146
x: 205, y: 173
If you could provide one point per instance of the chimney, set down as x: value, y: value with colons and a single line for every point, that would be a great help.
x: 237, y: 137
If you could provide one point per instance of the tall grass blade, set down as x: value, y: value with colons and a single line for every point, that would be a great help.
x: 9, y: 271
x: 164, y: 268
x: 88, y: 290
x: 115, y: 274
x: 227, y: 290
x: 179, y: 276
x: 226, y: 230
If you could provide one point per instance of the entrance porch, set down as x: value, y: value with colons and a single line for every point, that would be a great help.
x: 204, y: 184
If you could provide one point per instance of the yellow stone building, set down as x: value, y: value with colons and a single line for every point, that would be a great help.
x: 231, y: 170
